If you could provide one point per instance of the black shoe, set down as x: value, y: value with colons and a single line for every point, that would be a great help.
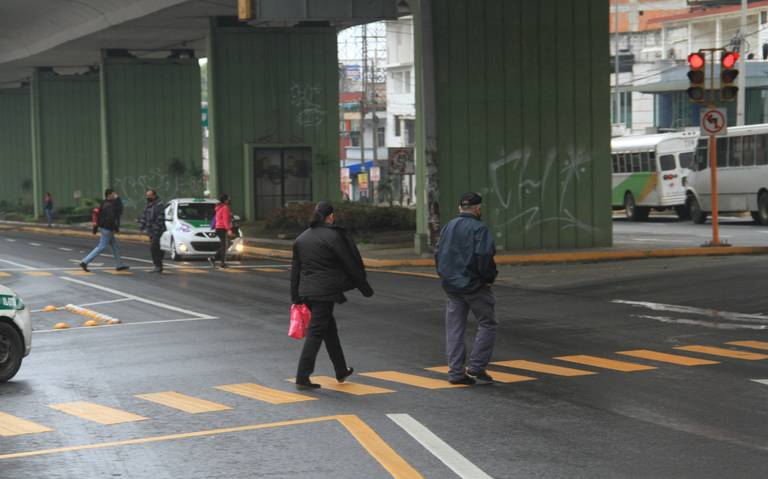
x: 84, y: 266
x: 481, y: 378
x: 306, y: 384
x: 157, y: 270
x: 224, y: 266
x: 123, y: 268
x: 466, y: 380
x: 341, y: 378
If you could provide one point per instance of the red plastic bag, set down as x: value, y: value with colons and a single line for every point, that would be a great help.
x: 300, y: 317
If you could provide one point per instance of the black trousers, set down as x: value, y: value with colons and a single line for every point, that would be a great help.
x: 157, y: 253
x: 321, y: 328
x: 221, y: 254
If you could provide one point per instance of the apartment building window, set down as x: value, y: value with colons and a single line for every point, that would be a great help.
x: 626, y: 109
x: 410, y: 132
x: 401, y: 81
x: 398, y: 119
x: 381, y: 136
x: 763, y: 17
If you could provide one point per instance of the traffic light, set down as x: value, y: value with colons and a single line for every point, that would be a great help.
x: 696, y: 92
x: 728, y: 74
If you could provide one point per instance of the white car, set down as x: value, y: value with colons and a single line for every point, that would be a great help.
x: 188, y: 232
x: 15, y: 333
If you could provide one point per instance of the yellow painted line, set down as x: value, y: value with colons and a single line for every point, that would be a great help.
x: 378, y: 449
x: 192, y: 270
x: 78, y: 273
x: 3, y: 274
x: 750, y: 344
x: 355, y: 389
x: 497, y: 376
x: 39, y: 273
x: 261, y: 393
x: 14, y: 426
x: 182, y: 402
x: 412, y: 380
x: 232, y: 270
x: 605, y: 363
x: 726, y: 353
x: 118, y: 273
x: 406, y: 273
x: 544, y: 368
x: 667, y: 358
x: 97, y: 413
x: 270, y: 270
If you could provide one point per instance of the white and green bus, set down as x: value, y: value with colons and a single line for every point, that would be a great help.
x: 649, y: 172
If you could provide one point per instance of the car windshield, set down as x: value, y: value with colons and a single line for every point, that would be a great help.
x: 196, y: 211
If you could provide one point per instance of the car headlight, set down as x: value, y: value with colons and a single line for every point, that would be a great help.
x: 239, y: 248
x: 183, y: 248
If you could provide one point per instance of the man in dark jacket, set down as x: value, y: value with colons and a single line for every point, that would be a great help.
x: 464, y: 260
x: 152, y: 223
x: 107, y: 224
x: 326, y: 263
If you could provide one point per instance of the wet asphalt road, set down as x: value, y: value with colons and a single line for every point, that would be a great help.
x: 674, y: 421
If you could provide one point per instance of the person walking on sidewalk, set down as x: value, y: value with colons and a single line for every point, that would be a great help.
x: 326, y: 264
x: 223, y: 226
x: 107, y: 225
x: 152, y: 223
x: 48, y: 207
x: 464, y: 261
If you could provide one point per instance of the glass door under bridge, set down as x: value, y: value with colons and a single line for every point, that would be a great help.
x: 280, y: 176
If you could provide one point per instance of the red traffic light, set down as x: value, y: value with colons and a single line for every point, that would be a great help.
x: 696, y: 60
x: 729, y: 59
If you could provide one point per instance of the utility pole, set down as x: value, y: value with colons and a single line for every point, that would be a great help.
x: 363, y: 101
x: 617, y: 114
x: 742, y: 79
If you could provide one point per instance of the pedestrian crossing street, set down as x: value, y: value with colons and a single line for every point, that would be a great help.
x: 374, y: 383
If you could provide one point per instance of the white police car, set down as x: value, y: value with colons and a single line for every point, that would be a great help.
x: 15, y: 333
x: 188, y: 231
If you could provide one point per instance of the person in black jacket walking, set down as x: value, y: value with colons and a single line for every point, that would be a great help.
x: 152, y: 223
x: 108, y: 225
x: 464, y: 260
x: 326, y: 264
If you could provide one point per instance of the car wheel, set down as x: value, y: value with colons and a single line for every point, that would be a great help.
x: 11, y: 351
x: 761, y: 215
x: 174, y: 254
x: 694, y: 208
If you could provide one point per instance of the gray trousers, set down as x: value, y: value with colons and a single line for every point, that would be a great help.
x: 482, y: 303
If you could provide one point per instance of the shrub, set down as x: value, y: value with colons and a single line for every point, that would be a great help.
x: 355, y: 217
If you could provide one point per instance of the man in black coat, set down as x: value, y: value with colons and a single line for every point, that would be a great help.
x: 326, y: 264
x: 108, y: 224
x: 152, y: 223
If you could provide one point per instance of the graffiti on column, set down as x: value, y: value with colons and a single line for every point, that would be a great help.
x: 133, y: 188
x: 304, y: 99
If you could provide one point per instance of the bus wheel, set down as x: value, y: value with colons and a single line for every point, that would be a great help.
x: 699, y: 217
x: 761, y: 215
x: 682, y: 212
x: 632, y: 211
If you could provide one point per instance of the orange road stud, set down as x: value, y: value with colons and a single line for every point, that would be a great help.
x: 90, y: 323
x: 61, y: 326
x: 114, y: 321
x: 50, y: 308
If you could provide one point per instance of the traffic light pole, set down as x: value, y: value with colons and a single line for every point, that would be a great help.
x: 713, y: 156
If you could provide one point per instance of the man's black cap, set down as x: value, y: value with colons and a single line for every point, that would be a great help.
x: 470, y: 199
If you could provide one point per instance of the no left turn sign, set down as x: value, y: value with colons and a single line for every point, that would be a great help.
x: 713, y: 122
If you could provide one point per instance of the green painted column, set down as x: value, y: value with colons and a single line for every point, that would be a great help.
x: 36, y: 142
x: 16, y: 185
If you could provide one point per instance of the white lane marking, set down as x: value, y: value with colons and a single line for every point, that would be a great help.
x: 105, y: 302
x: 90, y: 266
x: 65, y: 249
x: 761, y: 381
x: 138, y: 323
x: 10, y: 240
x: 157, y: 304
x: 141, y: 260
x: 439, y: 448
x: 707, y: 324
x: 18, y: 265
x: 712, y: 313
x: 34, y: 244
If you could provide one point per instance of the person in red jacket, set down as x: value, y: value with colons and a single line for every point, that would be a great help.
x: 223, y: 226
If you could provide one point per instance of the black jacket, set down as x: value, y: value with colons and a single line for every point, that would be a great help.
x: 464, y: 255
x: 152, y: 220
x: 109, y: 216
x: 326, y: 263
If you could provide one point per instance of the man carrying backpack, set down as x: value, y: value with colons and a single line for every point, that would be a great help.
x: 107, y: 223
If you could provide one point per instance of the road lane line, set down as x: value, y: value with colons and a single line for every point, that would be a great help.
x: 705, y: 324
x: 667, y: 358
x: 185, y: 403
x: 270, y: 270
x: 544, y: 368
x: 65, y: 249
x: 15, y: 426
x: 356, y: 389
x: 117, y: 273
x: 10, y: 240
x: 138, y: 323
x: 4, y: 275
x: 192, y: 270
x: 97, y: 413
x: 727, y: 353
x: 17, y: 265
x: 262, y: 393
x: 139, y: 299
x: 35, y: 244
x: 750, y: 344
x: 111, y: 301
x: 230, y: 270
x: 449, y: 456
x: 38, y: 273
x: 412, y: 380
x: 713, y: 313
x: 497, y: 376
x: 761, y: 381
x: 605, y: 363
x: 75, y: 272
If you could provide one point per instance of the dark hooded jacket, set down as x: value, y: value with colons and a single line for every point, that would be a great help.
x: 464, y: 255
x: 326, y: 263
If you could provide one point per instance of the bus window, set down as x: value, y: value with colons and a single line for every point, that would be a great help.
x: 615, y: 163
x: 636, y: 166
x: 687, y: 161
x: 722, y: 152
x: 702, y: 155
x: 735, y: 150
x: 644, y: 164
x: 667, y: 162
x: 761, y: 150
x: 748, y: 151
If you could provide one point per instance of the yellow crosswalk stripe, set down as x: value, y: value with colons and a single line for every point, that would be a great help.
x: 269, y: 270
x: 750, y: 344
x: 497, y: 376
x: 182, y: 402
x: 97, y: 413
x: 192, y: 270
x: 38, y: 273
x: 726, y: 353
x: 261, y: 393
x: 78, y: 273
x: 412, y: 380
x: 14, y: 426
x: 232, y: 270
x: 3, y: 274
x: 543, y: 368
x: 605, y: 363
x: 667, y: 358
x: 118, y: 273
x: 348, y: 387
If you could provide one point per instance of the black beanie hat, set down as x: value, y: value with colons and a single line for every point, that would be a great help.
x: 470, y: 199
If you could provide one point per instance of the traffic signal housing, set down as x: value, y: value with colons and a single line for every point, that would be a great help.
x: 728, y: 75
x: 696, y: 91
